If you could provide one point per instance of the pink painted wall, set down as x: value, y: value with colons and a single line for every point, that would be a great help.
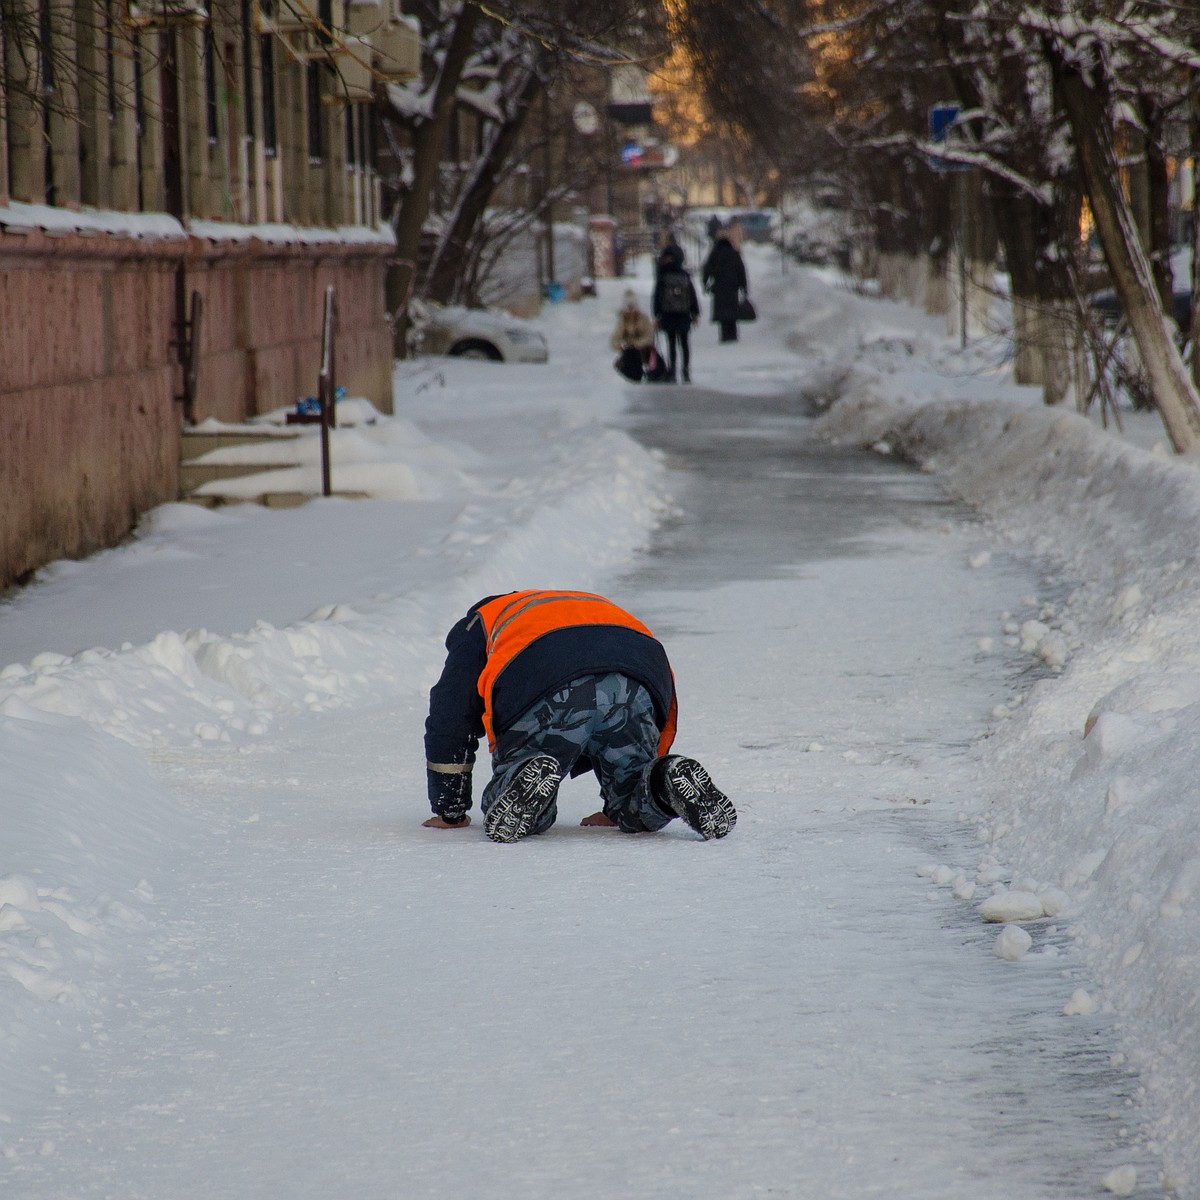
x: 89, y: 426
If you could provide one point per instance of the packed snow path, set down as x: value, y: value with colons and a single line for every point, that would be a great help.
x: 339, y: 1003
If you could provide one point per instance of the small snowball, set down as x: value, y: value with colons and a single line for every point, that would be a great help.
x: 1053, y: 650
x: 1080, y: 1004
x: 1011, y: 906
x: 1032, y: 633
x: 964, y: 889
x: 985, y: 645
x: 943, y: 875
x: 1054, y: 900
x: 882, y: 448
x: 814, y: 747
x: 980, y: 560
x: 1013, y: 943
x: 926, y: 871
x: 1121, y: 1180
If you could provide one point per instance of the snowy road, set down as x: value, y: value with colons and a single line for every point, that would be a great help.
x: 338, y: 1003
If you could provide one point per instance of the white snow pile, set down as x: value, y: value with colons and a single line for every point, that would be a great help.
x: 1091, y: 783
x: 84, y: 819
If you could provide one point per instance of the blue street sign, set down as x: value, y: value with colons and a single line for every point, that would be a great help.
x: 942, y: 118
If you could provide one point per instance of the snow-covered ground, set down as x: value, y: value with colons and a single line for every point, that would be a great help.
x: 171, y: 712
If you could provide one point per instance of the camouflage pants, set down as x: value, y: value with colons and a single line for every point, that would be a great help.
x: 607, y: 718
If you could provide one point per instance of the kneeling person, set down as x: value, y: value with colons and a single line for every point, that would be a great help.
x: 561, y: 683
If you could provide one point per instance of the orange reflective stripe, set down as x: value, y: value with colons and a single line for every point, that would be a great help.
x: 528, y: 600
x: 516, y: 621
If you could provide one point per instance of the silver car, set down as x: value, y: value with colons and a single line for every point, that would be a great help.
x: 480, y: 333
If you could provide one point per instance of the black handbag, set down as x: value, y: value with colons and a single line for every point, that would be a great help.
x: 746, y: 310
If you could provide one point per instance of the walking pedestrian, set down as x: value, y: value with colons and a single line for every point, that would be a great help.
x: 561, y: 683
x: 676, y: 308
x: 724, y: 276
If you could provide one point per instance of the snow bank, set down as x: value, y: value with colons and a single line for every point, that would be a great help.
x: 1092, y: 781
x: 84, y: 819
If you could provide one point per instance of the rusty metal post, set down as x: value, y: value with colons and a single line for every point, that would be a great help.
x: 325, y: 389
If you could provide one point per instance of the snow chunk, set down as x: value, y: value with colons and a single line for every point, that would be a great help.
x: 1012, y: 906
x: 1053, y: 901
x: 1128, y: 599
x: 1121, y: 1181
x: 1032, y: 633
x: 1013, y: 943
x: 1080, y: 1004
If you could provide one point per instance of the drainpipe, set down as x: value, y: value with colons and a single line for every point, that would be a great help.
x: 174, y: 198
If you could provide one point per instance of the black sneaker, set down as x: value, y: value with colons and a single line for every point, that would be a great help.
x: 533, y: 789
x: 691, y: 795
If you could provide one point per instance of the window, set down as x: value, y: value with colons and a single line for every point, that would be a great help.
x: 212, y: 114
x: 266, y: 58
x: 316, y: 133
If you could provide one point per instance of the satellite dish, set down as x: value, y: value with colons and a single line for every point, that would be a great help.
x: 585, y: 117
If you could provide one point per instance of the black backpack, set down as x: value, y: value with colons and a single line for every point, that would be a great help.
x: 675, y: 292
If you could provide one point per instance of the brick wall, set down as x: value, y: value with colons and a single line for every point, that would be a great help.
x: 89, y: 424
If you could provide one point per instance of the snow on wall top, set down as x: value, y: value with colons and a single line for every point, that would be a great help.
x: 19, y: 217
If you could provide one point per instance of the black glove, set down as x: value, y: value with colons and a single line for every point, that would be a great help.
x: 450, y: 795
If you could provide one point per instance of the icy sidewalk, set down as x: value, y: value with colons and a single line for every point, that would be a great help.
x: 333, y: 1000
x: 97, y: 853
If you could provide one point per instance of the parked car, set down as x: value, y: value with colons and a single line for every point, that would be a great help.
x: 756, y: 225
x: 1106, y: 305
x: 480, y: 333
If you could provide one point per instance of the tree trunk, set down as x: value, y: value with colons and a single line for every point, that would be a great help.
x: 1087, y: 112
x: 450, y: 258
x: 1041, y: 292
x: 1158, y: 187
x: 428, y: 143
x: 1195, y: 141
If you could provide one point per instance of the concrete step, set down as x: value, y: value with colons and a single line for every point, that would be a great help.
x: 269, y: 499
x: 196, y: 474
x: 195, y: 443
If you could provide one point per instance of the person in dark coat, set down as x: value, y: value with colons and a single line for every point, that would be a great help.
x: 725, y: 278
x: 676, y: 308
x: 561, y: 683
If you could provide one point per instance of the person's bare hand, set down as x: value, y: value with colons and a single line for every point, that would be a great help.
x: 599, y: 820
x: 438, y: 823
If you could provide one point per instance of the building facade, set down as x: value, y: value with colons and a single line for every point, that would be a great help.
x: 180, y: 181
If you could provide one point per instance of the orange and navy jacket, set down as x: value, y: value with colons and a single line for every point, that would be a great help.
x: 510, y: 651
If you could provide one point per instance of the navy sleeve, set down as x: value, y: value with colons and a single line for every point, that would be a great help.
x: 455, y: 721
